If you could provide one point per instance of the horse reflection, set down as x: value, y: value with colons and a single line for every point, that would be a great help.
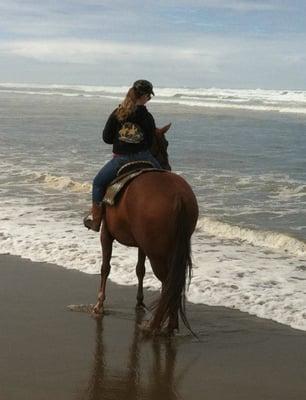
x: 161, y: 385
x: 135, y: 382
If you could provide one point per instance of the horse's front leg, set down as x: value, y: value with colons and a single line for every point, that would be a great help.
x: 140, y: 272
x: 107, y: 247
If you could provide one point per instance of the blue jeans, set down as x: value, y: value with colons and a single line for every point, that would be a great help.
x: 110, y: 169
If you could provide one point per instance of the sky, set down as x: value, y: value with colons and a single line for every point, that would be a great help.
x: 182, y: 43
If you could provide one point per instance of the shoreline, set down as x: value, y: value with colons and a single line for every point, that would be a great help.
x: 49, y: 352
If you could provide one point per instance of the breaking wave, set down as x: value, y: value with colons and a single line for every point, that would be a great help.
x: 283, y: 101
x: 269, y: 239
x: 61, y: 182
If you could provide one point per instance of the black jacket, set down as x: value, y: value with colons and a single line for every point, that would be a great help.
x: 143, y: 119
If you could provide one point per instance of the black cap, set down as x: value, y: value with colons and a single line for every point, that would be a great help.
x: 143, y: 87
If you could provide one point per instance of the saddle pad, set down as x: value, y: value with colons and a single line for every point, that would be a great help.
x: 117, y: 184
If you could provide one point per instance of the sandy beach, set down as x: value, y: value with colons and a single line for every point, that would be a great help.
x: 49, y: 352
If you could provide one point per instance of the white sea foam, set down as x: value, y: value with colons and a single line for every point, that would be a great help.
x: 250, y: 280
x: 298, y: 191
x: 226, y: 273
x: 283, y: 101
x: 271, y: 240
x: 61, y: 182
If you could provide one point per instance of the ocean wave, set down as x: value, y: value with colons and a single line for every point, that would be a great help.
x: 61, y: 182
x: 277, y: 186
x: 291, y: 192
x: 283, y: 101
x: 59, y: 93
x: 269, y: 239
x: 241, y: 106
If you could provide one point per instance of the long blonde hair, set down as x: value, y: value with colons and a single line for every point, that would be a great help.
x: 128, y: 106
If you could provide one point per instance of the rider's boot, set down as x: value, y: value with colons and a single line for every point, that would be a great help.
x: 97, y: 212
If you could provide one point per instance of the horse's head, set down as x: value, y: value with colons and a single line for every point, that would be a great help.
x: 159, y: 147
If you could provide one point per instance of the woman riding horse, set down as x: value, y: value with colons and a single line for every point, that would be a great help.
x: 156, y: 212
x: 130, y: 129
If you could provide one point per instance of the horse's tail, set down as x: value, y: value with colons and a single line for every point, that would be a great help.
x: 173, y: 297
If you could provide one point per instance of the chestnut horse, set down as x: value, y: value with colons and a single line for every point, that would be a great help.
x: 157, y: 212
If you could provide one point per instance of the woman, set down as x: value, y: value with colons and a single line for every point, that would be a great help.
x: 130, y: 129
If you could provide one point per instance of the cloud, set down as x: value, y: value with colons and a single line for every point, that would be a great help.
x: 194, y: 42
x: 211, y: 61
x: 93, y: 18
x: 211, y: 53
x: 78, y: 19
x: 94, y: 51
x: 235, y: 5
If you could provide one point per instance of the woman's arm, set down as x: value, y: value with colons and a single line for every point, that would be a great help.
x: 110, y: 129
x: 150, y: 129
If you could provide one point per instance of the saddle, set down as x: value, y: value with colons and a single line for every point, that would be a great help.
x: 126, y: 174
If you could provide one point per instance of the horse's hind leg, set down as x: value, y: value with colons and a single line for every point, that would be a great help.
x: 165, y: 317
x: 140, y: 272
x: 173, y: 323
x: 107, y: 246
x: 155, y: 324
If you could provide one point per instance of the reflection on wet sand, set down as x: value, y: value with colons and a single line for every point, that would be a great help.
x: 142, y: 379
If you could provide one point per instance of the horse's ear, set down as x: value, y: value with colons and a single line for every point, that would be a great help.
x: 163, y: 130
x: 158, y: 131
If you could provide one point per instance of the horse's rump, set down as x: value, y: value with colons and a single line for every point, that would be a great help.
x: 147, y: 212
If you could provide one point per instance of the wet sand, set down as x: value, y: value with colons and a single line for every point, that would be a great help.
x: 48, y: 352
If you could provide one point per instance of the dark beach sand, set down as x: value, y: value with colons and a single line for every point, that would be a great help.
x: 48, y: 352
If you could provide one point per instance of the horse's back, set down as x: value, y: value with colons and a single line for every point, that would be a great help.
x: 148, y: 209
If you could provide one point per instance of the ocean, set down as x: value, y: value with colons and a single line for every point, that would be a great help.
x: 242, y: 151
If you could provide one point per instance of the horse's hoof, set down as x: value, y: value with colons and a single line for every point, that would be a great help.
x: 97, y: 311
x: 145, y: 327
x: 147, y: 330
x: 169, y: 333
